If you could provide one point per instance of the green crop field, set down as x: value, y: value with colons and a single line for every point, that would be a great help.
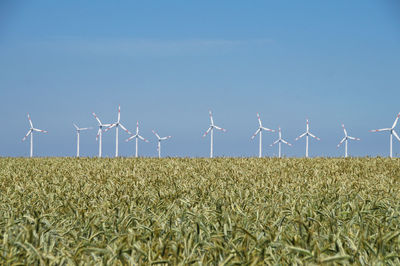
x: 62, y: 211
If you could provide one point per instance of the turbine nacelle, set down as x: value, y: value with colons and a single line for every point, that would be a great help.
x: 307, y: 134
x: 212, y: 126
x: 161, y: 138
x: 101, y: 126
x: 345, y: 139
x: 136, y: 135
x: 78, y: 129
x: 279, y: 141
x: 117, y: 125
x: 31, y: 129
x: 260, y: 128
x: 30, y: 133
x: 392, y: 133
x: 211, y: 129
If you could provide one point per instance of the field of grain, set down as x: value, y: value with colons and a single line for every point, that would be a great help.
x: 199, y: 211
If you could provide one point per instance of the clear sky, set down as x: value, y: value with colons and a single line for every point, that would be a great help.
x: 168, y: 62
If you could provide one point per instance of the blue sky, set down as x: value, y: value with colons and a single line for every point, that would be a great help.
x: 168, y: 62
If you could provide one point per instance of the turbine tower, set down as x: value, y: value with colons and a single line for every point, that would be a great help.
x: 259, y: 131
x: 306, y: 134
x: 159, y: 142
x: 345, y: 139
x: 211, y: 128
x: 279, y: 141
x: 78, y: 131
x: 117, y: 125
x: 30, y: 132
x: 392, y: 132
x: 136, y: 136
x: 100, y: 133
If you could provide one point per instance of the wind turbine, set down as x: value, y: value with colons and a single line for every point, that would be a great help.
x: 259, y: 131
x: 211, y: 128
x: 345, y: 139
x: 392, y: 132
x: 307, y: 133
x: 117, y: 125
x: 136, y: 136
x: 279, y: 141
x: 159, y: 142
x: 30, y: 132
x: 100, y: 132
x: 78, y: 131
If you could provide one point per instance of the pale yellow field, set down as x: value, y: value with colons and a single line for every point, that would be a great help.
x: 199, y: 211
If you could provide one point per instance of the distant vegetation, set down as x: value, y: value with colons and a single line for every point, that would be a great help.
x: 201, y: 211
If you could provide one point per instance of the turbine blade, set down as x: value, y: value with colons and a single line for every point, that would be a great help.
x: 340, y: 143
x: 39, y: 130
x: 155, y: 133
x: 259, y: 119
x: 345, y: 131
x: 140, y: 137
x: 165, y: 138
x: 30, y: 121
x: 395, y: 121
x: 130, y: 138
x: 287, y: 143
x: 379, y: 130
x: 299, y: 137
x: 395, y: 134
x: 119, y: 113
x: 98, y: 120
x: 86, y: 128
x: 275, y: 142
x: 124, y: 128
x: 353, y: 138
x: 313, y: 136
x: 98, y: 134
x: 110, y: 127
x: 267, y: 129
x: 27, y: 134
x: 255, y: 134
x: 220, y: 128
x: 208, y: 130
x: 77, y: 128
x: 211, y: 118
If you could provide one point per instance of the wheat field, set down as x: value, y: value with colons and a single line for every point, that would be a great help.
x: 223, y: 211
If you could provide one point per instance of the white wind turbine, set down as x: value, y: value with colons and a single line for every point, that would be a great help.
x: 345, y: 139
x: 136, y: 136
x: 392, y: 132
x: 117, y: 125
x: 159, y: 142
x: 100, y: 132
x: 30, y: 132
x: 211, y: 128
x: 259, y: 131
x: 78, y: 131
x: 279, y: 141
x: 307, y: 133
